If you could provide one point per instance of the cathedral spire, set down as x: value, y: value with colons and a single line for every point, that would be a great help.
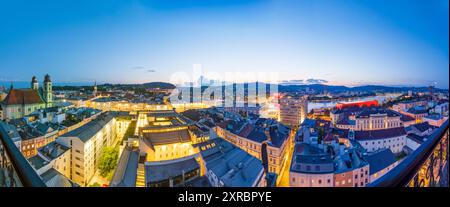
x: 47, y: 91
x: 34, y: 83
x: 47, y: 78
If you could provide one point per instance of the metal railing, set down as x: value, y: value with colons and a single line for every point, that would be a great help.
x: 15, y: 171
x: 427, y: 166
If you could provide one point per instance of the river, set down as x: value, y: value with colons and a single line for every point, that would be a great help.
x: 328, y: 104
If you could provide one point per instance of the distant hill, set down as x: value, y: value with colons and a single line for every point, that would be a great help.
x: 161, y: 85
x: 340, y: 88
x: 295, y: 88
x: 366, y: 88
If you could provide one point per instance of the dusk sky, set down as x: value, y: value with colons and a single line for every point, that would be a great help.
x: 389, y: 42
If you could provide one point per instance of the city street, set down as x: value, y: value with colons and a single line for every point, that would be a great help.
x: 98, y: 179
x: 283, y: 179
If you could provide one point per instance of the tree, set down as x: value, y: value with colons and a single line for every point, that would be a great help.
x: 95, y: 185
x: 320, y: 134
x: 108, y: 161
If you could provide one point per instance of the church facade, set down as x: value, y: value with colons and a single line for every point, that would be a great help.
x: 21, y: 102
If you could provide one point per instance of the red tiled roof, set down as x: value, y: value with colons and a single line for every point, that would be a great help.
x: 22, y: 96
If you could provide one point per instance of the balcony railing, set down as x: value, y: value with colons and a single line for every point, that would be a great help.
x: 427, y: 166
x: 15, y: 171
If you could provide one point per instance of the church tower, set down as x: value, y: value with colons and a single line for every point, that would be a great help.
x: 47, y: 90
x: 34, y: 83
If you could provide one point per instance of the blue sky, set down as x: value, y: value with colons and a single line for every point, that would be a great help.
x: 390, y: 42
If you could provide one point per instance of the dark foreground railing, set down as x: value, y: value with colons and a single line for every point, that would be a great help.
x: 427, y: 166
x: 15, y: 171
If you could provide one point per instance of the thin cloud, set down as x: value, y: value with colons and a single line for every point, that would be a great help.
x: 143, y: 68
x: 304, y: 82
x: 316, y: 81
x: 138, y: 68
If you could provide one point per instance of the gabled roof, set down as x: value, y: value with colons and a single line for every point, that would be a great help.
x: 417, y: 138
x: 87, y: 131
x: 306, y: 155
x: 166, y: 137
x: 53, y: 178
x: 233, y: 166
x: 256, y: 132
x: 422, y: 127
x: 22, y: 96
x: 406, y: 118
x: 126, y: 170
x: 53, y: 150
x: 192, y: 114
x: 346, y: 121
x: 380, y: 160
x: 44, y: 128
x: 374, y: 111
x: 417, y: 111
x: 380, y: 134
x: 434, y: 117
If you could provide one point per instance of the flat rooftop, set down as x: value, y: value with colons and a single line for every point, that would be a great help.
x: 160, y: 171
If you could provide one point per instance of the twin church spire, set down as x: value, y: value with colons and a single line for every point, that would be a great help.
x: 46, y: 89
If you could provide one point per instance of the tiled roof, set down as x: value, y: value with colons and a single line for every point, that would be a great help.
x: 255, y: 132
x: 352, y: 159
x: 126, y: 170
x: 424, y: 126
x: 160, y: 171
x: 406, y: 118
x: 417, y: 138
x: 233, y: 166
x: 87, y: 131
x: 417, y: 111
x: 23, y: 96
x: 380, y: 160
x: 53, y: 150
x: 434, y: 117
x: 192, y: 114
x: 372, y: 111
x: 380, y: 134
x: 305, y: 156
x: 346, y: 121
x: 169, y: 137
x: 53, y: 178
x: 309, y: 123
x: 37, y: 162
